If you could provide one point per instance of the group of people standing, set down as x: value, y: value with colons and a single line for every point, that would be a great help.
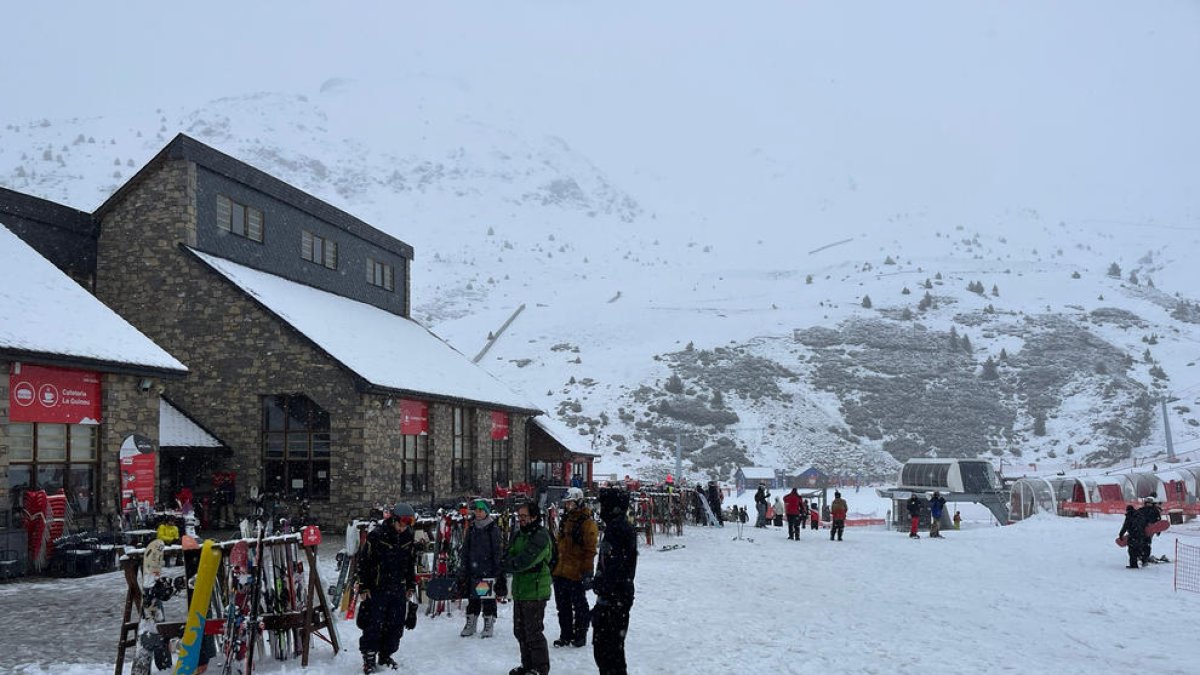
x: 538, y: 563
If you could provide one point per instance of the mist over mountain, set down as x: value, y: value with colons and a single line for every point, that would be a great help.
x: 778, y: 235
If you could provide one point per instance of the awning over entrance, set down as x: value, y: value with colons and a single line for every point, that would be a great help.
x: 558, y: 454
x: 178, y: 430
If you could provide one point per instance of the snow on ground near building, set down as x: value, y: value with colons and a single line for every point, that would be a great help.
x: 1046, y: 595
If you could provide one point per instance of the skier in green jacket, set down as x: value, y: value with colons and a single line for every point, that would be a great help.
x: 528, y: 560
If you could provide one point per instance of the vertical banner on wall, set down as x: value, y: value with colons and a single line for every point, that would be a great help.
x: 414, y: 417
x: 499, y: 426
x: 53, y: 395
x: 138, y: 460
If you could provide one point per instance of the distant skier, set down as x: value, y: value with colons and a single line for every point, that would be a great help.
x: 803, y: 514
x: 1149, y: 513
x: 914, y: 513
x: 698, y: 502
x: 760, y: 505
x: 779, y: 510
x: 838, y: 511
x: 791, y: 504
x: 714, y: 501
x: 957, y: 520
x: 814, y: 516
x: 937, y: 508
x: 1132, y: 531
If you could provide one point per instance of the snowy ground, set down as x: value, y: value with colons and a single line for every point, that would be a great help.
x: 1047, y: 595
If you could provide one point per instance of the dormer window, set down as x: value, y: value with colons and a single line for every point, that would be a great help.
x: 381, y: 274
x: 319, y: 250
x: 242, y: 220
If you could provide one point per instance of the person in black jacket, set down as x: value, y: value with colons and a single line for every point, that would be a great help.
x: 386, y: 579
x: 1149, y: 513
x: 613, y: 583
x: 480, y: 555
x: 914, y: 512
x: 714, y: 502
x: 1134, y: 531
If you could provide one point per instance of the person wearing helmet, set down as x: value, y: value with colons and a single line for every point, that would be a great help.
x: 528, y: 560
x: 613, y: 583
x: 572, y: 575
x: 1149, y: 513
x: 386, y: 580
x: 480, y: 555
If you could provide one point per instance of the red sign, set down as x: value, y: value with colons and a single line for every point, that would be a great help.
x: 138, y: 461
x: 499, y: 426
x: 414, y: 417
x: 53, y: 395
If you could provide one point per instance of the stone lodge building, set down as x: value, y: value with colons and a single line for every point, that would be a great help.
x: 293, y: 319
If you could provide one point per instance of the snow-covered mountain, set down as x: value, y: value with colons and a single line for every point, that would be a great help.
x: 781, y: 236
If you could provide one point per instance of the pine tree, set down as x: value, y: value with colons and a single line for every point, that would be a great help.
x: 928, y: 284
x: 925, y: 303
x: 966, y: 344
x: 889, y: 261
x: 995, y: 291
x: 674, y: 385
x: 718, y: 401
x: 866, y: 302
x: 1133, y: 278
x: 1075, y: 275
x: 905, y: 291
x: 1039, y: 424
x: 1004, y: 355
x: 989, y: 370
x: 808, y: 279
x: 938, y: 276
x: 1114, y: 271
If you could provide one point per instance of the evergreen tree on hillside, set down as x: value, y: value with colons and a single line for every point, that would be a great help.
x: 995, y: 291
x: 866, y: 302
x: 1004, y: 355
x: 1114, y: 271
x: 1039, y: 424
x: 674, y: 385
x: 990, y: 372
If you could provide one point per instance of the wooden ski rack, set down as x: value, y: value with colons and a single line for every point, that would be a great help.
x: 306, y: 621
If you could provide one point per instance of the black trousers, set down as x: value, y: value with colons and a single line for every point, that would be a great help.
x: 573, y: 614
x: 610, y: 622
x: 793, y: 526
x: 528, y: 628
x: 474, y: 602
x: 381, y: 618
x: 838, y: 527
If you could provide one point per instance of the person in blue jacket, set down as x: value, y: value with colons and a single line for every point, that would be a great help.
x: 937, y: 509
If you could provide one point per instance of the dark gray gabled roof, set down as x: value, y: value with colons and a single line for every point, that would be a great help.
x: 47, y: 212
x: 187, y: 148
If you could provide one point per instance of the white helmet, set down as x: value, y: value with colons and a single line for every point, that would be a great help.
x: 574, y: 494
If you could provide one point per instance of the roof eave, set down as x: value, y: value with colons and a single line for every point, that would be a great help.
x: 102, y: 365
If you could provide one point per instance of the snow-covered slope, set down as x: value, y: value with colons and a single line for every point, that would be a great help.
x: 736, y: 179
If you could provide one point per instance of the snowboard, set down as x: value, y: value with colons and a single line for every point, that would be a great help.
x: 708, y: 512
x: 443, y: 588
x: 672, y: 547
x: 193, y: 630
x: 149, y: 641
x: 1156, y: 527
x: 485, y: 589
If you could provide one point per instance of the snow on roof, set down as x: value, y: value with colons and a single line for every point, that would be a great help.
x: 758, y: 472
x: 385, y: 349
x: 567, y: 437
x: 44, y: 311
x: 177, y: 430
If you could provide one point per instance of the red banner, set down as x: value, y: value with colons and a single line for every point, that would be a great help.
x: 53, y: 395
x: 138, y: 461
x: 499, y: 426
x: 414, y: 417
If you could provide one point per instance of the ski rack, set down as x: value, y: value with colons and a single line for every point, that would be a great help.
x: 306, y: 621
x: 657, y: 511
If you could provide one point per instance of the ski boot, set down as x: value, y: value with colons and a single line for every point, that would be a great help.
x: 562, y: 642
x: 488, y: 623
x: 580, y: 640
x: 469, y: 629
x: 914, y: 535
x: 387, y: 660
x: 369, y: 663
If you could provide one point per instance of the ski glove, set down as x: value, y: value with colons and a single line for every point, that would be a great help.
x: 587, y: 581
